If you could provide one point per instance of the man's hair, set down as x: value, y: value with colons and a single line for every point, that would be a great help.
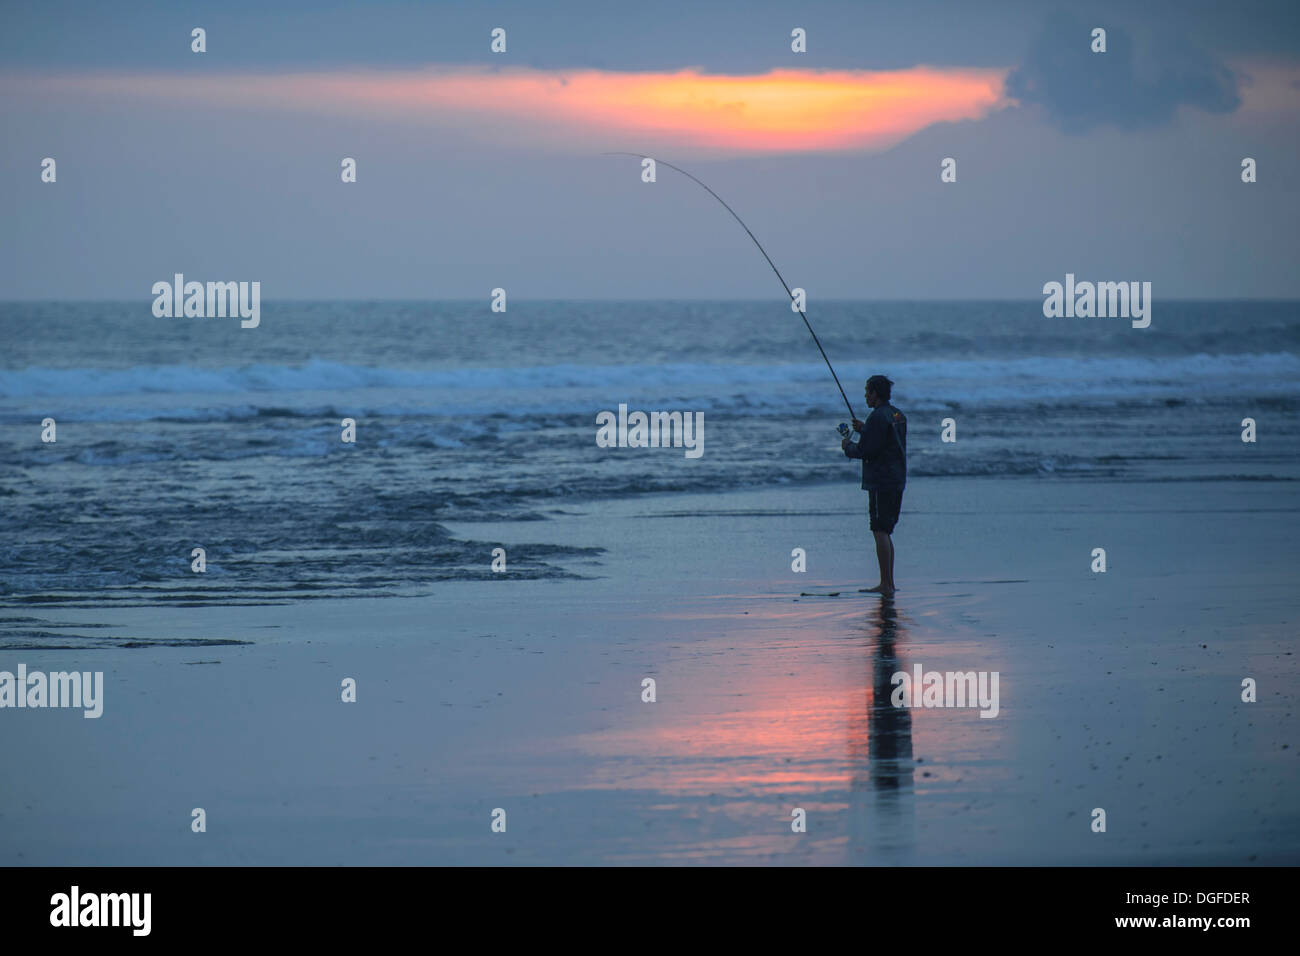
x: 880, y: 385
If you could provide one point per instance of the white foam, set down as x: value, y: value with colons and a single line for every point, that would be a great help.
x: 318, y: 386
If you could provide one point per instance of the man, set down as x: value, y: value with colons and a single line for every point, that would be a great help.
x: 882, y: 446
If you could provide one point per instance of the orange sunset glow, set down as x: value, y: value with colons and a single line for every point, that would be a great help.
x: 779, y: 111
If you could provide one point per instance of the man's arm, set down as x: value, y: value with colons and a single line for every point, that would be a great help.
x: 851, y: 448
x: 874, y: 436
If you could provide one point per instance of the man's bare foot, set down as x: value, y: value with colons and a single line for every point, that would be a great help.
x: 878, y: 589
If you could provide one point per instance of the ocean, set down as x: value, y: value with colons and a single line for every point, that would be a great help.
x: 174, y: 434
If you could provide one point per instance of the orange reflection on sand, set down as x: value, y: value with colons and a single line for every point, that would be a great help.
x: 805, y: 710
x: 791, y: 745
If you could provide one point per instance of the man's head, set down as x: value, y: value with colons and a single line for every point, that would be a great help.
x: 878, y: 390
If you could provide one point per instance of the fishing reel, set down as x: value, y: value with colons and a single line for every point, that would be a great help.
x: 845, y: 431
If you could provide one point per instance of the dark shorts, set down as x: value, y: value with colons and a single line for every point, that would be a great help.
x: 884, y: 507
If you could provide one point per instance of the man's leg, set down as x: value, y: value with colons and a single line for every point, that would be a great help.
x: 884, y: 507
x: 885, y: 558
x: 889, y: 578
x: 894, y: 505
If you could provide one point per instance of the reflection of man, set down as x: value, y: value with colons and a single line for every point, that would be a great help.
x: 881, y: 828
x: 890, y: 736
x: 882, y: 446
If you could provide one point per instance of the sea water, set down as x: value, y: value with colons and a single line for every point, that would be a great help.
x: 177, y: 433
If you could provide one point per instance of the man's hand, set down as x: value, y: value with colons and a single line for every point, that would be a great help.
x: 858, y: 426
x: 844, y: 444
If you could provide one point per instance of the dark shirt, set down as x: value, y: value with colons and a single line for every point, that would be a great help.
x: 882, y: 446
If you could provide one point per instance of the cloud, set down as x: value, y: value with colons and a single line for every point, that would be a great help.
x: 1127, y: 87
x: 780, y: 111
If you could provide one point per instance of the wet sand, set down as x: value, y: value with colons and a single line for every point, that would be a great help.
x: 1119, y: 691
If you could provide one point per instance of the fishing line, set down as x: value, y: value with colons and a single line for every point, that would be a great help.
x: 765, y: 256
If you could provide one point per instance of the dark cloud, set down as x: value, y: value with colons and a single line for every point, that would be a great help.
x: 1128, y: 86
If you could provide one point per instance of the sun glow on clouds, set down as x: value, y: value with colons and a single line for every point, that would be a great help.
x: 780, y: 111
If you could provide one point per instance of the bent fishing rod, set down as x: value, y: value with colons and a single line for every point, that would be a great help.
x: 751, y: 235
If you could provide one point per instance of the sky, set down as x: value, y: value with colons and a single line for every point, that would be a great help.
x: 478, y: 169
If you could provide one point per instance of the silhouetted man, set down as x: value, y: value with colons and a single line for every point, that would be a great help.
x: 882, y: 446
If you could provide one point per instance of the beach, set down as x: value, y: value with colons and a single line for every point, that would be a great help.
x: 1118, y: 690
x: 434, y: 435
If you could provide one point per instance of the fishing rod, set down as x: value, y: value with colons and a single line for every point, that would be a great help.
x: 765, y: 256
